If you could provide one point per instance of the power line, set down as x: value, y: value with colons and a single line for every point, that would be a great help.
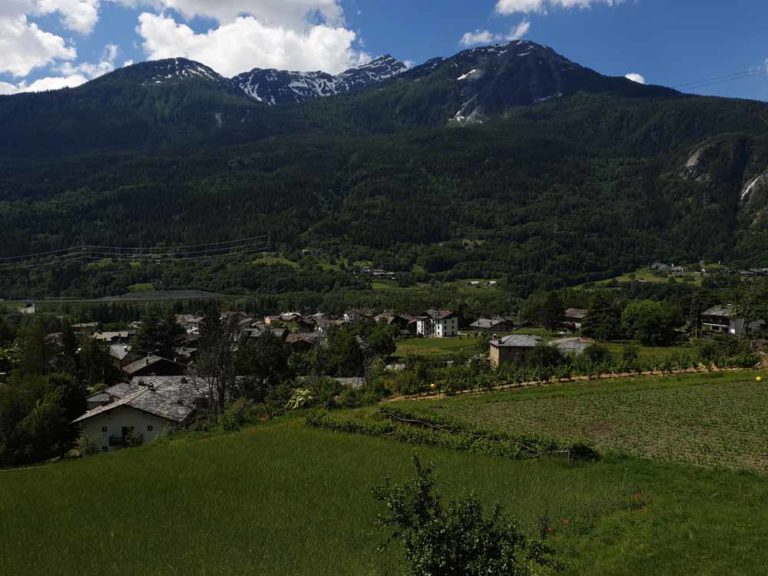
x: 35, y: 255
x: 242, y: 247
x: 743, y: 75
x: 179, y: 248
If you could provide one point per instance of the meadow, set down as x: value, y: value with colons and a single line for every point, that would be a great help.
x: 437, y: 347
x: 276, y: 499
x: 472, y: 343
x: 282, y: 498
x: 650, y: 353
x: 716, y: 419
x: 649, y: 276
x: 285, y: 499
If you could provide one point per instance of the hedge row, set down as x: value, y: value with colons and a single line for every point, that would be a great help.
x: 419, y: 430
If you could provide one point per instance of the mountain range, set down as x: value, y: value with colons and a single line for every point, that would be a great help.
x: 151, y: 103
x: 506, y: 161
x: 268, y: 86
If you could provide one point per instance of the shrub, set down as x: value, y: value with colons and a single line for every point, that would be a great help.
x: 581, y: 452
x: 326, y: 392
x: 243, y: 411
x: 598, y: 354
x: 301, y: 398
x: 457, y: 538
x: 431, y: 431
x: 133, y: 440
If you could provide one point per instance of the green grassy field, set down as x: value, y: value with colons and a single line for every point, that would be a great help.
x: 655, y: 352
x: 711, y: 419
x: 435, y: 347
x: 285, y: 499
x: 384, y: 285
x: 276, y: 499
x: 469, y: 344
x: 649, y: 276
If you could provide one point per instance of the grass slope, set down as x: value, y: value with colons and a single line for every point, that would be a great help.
x: 436, y: 347
x: 285, y: 499
x: 279, y: 499
x: 709, y: 419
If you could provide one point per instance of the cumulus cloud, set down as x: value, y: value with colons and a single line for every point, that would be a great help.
x: 521, y: 30
x: 531, y: 6
x: 635, y: 77
x: 70, y: 75
x: 244, y: 34
x: 77, y: 15
x: 479, y: 37
x: 23, y: 45
x: 286, y: 13
x: 247, y: 43
x: 6, y: 88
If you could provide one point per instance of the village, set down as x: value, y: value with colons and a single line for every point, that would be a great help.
x: 160, y: 393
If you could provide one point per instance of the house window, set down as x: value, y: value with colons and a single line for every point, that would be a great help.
x: 104, y: 429
x: 150, y: 428
x: 104, y: 448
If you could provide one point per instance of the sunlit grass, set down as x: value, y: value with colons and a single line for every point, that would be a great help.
x: 435, y: 347
x: 708, y: 419
x: 280, y: 499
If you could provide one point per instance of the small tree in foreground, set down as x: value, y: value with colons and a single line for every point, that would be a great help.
x: 456, y: 539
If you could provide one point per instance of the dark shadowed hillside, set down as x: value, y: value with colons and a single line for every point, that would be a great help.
x: 508, y: 162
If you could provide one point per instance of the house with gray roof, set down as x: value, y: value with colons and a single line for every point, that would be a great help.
x: 495, y: 324
x: 723, y: 319
x: 513, y: 348
x: 574, y: 318
x: 153, y: 365
x: 145, y: 408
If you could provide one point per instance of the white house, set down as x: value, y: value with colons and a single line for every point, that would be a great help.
x: 145, y: 408
x: 438, y: 324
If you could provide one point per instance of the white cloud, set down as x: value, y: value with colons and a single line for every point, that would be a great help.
x: 6, y: 88
x: 486, y: 37
x: 518, y: 6
x: 71, y: 75
x: 286, y: 13
x: 92, y: 70
x: 478, y: 37
x: 294, y: 34
x: 24, y: 46
x: 531, y: 6
x: 247, y: 43
x: 55, y: 83
x: 635, y: 77
x: 77, y: 15
x: 521, y: 30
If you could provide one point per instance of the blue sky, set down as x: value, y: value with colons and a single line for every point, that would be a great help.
x: 51, y: 43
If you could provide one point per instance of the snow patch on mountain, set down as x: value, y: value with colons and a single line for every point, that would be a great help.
x: 162, y: 71
x: 468, y: 75
x: 274, y: 87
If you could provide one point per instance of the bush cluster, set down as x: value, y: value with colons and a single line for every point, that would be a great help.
x: 429, y: 431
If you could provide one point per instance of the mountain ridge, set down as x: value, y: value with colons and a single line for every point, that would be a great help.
x: 268, y: 86
x: 508, y: 161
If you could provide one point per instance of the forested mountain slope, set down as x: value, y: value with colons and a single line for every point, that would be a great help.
x: 508, y: 162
